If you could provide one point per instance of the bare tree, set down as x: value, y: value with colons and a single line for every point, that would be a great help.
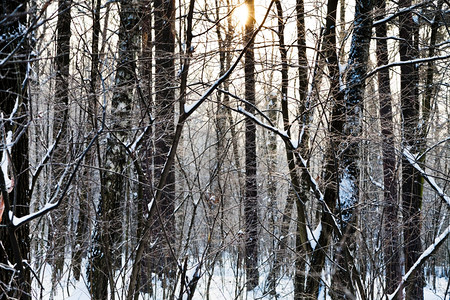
x: 61, y: 155
x: 391, y: 238
x: 15, y: 194
x: 251, y: 190
x: 343, y: 282
x: 330, y: 177
x: 82, y: 227
x: 164, y: 228
x: 411, y: 178
x: 149, y: 190
x: 107, y: 254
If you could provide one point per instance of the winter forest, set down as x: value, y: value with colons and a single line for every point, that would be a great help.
x: 225, y: 149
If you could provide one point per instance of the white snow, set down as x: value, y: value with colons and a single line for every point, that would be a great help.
x: 283, y: 134
x: 412, y: 160
x: 408, y: 62
x: 422, y: 257
x: 394, y: 15
x: 5, y: 160
x: 189, y: 107
x: 314, y: 236
x: 347, y: 191
x: 223, y: 285
x: 133, y: 146
x: 150, y: 205
x: 17, y: 221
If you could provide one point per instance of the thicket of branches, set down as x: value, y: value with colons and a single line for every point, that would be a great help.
x: 169, y: 149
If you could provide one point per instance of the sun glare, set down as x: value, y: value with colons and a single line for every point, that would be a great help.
x: 240, y: 14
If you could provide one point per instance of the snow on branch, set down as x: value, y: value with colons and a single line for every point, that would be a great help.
x: 407, y: 62
x: 313, y: 236
x: 427, y: 253
x: 18, y: 221
x: 312, y: 182
x: 139, y: 139
x: 44, y: 160
x: 51, y: 205
x: 248, y: 103
x: 282, y: 134
x: 400, y: 12
x: 4, y: 166
x: 411, y: 158
x: 24, y: 33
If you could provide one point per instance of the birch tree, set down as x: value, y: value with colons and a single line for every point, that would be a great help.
x: 108, y: 252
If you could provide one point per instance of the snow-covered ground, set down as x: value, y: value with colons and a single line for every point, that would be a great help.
x: 223, y: 286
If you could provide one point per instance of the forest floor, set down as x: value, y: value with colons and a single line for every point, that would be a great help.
x: 224, y: 285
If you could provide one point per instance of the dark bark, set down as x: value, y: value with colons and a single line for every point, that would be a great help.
x: 391, y: 239
x: 82, y: 232
x: 411, y: 179
x: 147, y: 104
x: 295, y: 190
x: 58, y: 228
x: 297, y: 193
x: 13, y: 87
x: 154, y: 210
x: 251, y: 192
x: 304, y: 112
x: 330, y: 176
x: 62, y: 61
x: 164, y: 228
x: 342, y: 282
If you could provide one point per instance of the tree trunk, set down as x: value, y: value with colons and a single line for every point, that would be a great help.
x: 391, y: 239
x: 15, y: 243
x: 317, y: 261
x: 411, y: 179
x: 272, y: 196
x: 342, y: 282
x: 107, y: 253
x: 164, y: 130
x: 304, y: 112
x: 251, y: 192
x: 58, y: 229
x: 221, y: 121
x: 82, y: 231
x: 147, y: 148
